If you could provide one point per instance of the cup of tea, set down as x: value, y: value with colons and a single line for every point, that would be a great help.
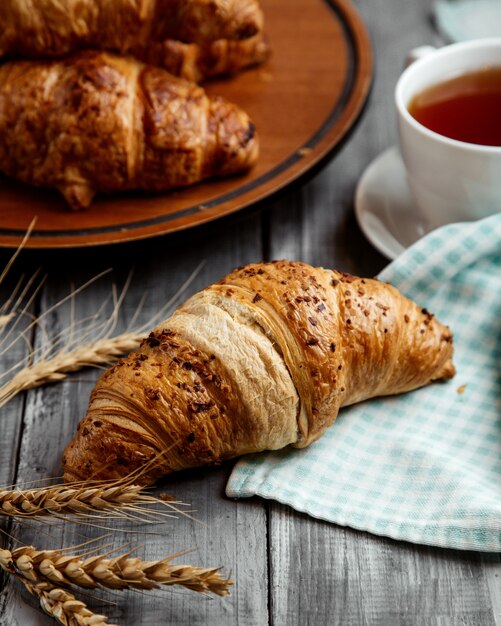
x: 449, y: 118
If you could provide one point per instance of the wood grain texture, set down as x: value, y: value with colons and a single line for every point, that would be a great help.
x: 355, y: 578
x: 11, y: 416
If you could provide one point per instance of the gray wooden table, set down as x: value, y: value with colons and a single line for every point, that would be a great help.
x: 288, y: 568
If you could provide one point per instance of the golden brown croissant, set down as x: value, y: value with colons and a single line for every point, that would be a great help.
x: 261, y: 360
x: 99, y: 122
x: 198, y: 62
x: 41, y: 28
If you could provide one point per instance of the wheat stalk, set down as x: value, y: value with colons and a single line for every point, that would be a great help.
x: 71, y: 500
x: 124, y: 497
x: 57, y: 362
x: 5, y: 319
x: 43, y: 371
x: 120, y: 572
x: 56, y: 602
x: 64, y: 606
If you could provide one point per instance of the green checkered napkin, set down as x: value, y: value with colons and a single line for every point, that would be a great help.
x: 425, y: 466
x: 461, y: 20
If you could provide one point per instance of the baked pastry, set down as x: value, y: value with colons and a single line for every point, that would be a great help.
x: 261, y: 360
x: 198, y: 62
x: 99, y: 122
x: 44, y: 28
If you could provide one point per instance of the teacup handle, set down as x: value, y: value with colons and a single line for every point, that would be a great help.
x: 418, y: 53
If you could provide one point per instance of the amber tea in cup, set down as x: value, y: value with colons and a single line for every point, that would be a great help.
x: 449, y: 120
x: 466, y: 107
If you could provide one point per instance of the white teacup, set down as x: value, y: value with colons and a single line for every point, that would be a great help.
x: 451, y: 181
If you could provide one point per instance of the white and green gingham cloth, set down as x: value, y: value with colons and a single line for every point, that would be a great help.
x: 461, y: 20
x: 425, y: 466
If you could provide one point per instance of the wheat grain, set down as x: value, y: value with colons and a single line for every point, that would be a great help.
x: 56, y: 602
x: 64, y: 606
x: 85, y: 501
x: 120, y: 572
x: 62, y: 500
x: 56, y: 362
x: 55, y: 369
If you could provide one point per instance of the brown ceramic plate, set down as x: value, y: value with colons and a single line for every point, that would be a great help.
x: 303, y: 101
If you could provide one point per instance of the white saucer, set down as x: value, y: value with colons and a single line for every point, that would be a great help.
x: 384, y: 207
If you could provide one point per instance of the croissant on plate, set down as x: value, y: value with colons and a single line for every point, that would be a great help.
x: 198, y: 62
x: 259, y: 361
x: 100, y: 122
x: 48, y: 28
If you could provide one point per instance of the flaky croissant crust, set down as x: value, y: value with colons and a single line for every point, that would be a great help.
x: 199, y: 62
x: 100, y: 122
x: 52, y: 28
x: 261, y: 360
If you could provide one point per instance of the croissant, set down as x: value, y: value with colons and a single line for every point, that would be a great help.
x: 99, y: 122
x: 199, y: 62
x: 45, y: 28
x: 261, y: 360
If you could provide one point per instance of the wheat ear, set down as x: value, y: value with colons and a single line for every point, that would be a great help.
x: 120, y: 572
x: 63, y: 606
x: 70, y: 500
x: 100, y: 352
x: 56, y: 363
x: 60, y: 604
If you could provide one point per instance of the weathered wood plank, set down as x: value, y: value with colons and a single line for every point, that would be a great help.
x: 323, y: 574
x: 226, y: 534
x: 13, y: 349
x: 492, y: 569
